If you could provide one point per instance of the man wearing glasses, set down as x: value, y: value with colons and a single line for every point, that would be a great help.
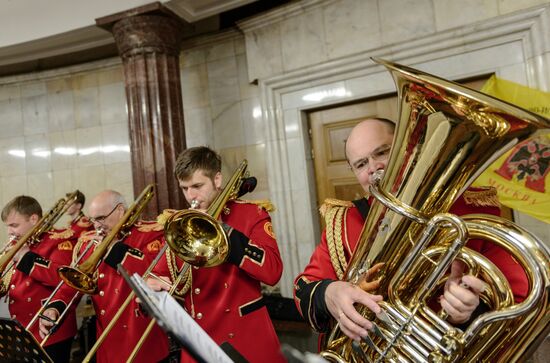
x: 319, y: 292
x: 135, y: 249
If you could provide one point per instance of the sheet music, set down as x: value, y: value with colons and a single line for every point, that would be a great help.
x: 173, y: 318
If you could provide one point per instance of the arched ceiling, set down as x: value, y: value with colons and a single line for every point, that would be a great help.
x: 33, y: 31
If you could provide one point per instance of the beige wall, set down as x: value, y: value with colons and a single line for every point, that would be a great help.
x: 63, y: 131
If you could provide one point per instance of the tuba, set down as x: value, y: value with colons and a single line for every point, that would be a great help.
x: 446, y: 136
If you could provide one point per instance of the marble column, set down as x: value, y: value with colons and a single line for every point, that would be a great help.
x: 148, y: 41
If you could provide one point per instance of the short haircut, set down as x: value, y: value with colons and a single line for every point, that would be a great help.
x: 387, y: 122
x: 80, y: 197
x: 24, y: 205
x: 198, y: 158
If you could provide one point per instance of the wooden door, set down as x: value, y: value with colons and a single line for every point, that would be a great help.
x: 329, y: 129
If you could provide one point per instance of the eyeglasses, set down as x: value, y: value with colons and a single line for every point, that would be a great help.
x: 379, y: 154
x: 102, y: 219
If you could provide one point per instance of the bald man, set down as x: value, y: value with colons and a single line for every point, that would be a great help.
x: 319, y: 292
x: 135, y: 249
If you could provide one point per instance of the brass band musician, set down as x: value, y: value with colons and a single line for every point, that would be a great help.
x: 135, y: 250
x: 34, y: 274
x: 226, y: 300
x: 319, y: 293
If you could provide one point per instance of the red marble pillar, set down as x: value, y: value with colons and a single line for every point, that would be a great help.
x: 148, y: 41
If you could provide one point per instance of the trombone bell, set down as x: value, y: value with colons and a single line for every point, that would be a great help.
x: 78, y: 280
x: 197, y: 238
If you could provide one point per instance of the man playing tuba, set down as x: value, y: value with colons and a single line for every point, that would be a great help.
x: 319, y: 292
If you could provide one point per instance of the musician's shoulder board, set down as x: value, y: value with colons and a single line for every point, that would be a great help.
x: 261, y: 203
x: 333, y: 203
x: 481, y: 197
x: 163, y: 217
x: 61, y: 234
x: 148, y: 226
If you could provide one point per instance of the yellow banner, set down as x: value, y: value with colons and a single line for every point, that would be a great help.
x: 521, y: 176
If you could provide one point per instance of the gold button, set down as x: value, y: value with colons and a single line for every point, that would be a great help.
x: 31, y: 314
x: 28, y: 283
x: 13, y: 316
x: 197, y: 291
x: 101, y: 275
x: 29, y: 299
x: 11, y: 301
x: 199, y: 316
x: 227, y: 310
x: 230, y: 335
x: 225, y: 285
x: 12, y: 286
x: 102, y: 312
x: 125, y: 327
x: 196, y: 267
x: 116, y: 291
x: 101, y: 293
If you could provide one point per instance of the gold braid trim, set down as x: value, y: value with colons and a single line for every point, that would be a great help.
x: 334, y: 218
x: 174, y: 272
x: 262, y: 203
x: 487, y: 197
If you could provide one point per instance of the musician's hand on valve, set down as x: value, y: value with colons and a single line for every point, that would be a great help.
x: 340, y: 297
x: 461, y: 294
x: 45, y: 325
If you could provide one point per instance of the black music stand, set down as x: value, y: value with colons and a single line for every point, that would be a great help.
x: 19, y: 345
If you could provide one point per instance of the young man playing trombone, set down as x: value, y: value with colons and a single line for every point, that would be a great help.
x: 33, y: 275
x: 134, y: 247
x: 226, y: 300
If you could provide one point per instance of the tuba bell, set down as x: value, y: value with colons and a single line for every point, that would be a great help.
x: 446, y: 136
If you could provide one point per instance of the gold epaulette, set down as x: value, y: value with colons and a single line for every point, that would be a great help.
x: 332, y: 202
x: 482, y: 197
x: 61, y: 234
x: 163, y: 217
x: 262, y: 203
x: 148, y: 226
x: 84, y: 222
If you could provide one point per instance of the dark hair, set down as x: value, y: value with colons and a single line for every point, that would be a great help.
x: 197, y: 158
x: 23, y: 205
x: 80, y: 197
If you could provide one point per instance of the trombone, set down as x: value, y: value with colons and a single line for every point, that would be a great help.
x: 83, y: 277
x: 47, y: 302
x: 194, y: 236
x: 32, y: 237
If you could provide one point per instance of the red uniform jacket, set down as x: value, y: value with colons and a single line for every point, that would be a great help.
x: 308, y: 287
x: 135, y: 253
x: 81, y: 224
x: 35, y: 278
x: 226, y: 300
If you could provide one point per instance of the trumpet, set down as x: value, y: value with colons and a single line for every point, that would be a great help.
x: 32, y: 237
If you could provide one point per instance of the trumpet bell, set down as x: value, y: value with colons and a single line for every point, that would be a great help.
x: 78, y: 280
x: 197, y: 238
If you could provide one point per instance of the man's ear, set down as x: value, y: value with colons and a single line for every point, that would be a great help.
x: 218, y: 180
x: 34, y: 218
